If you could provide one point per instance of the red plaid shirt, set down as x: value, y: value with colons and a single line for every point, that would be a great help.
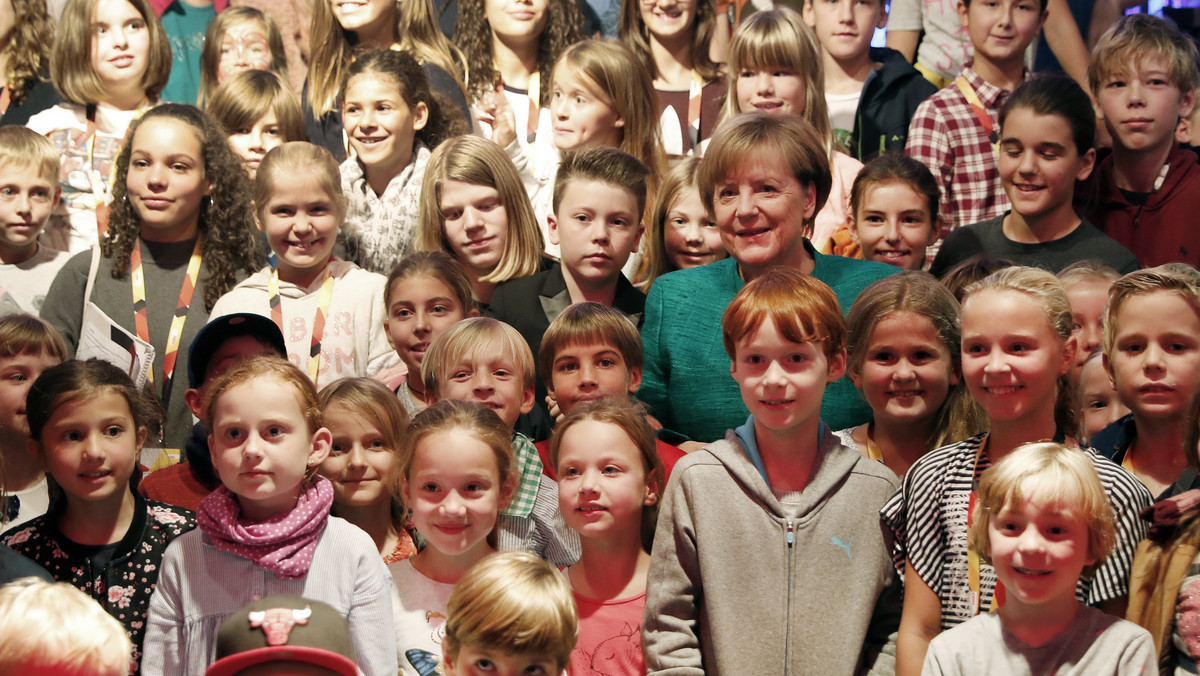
x: 947, y: 137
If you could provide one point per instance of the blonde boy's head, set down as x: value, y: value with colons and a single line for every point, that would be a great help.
x: 1137, y: 37
x: 1178, y: 278
x: 802, y: 308
x: 1053, y: 476
x: 512, y: 603
x: 53, y: 628
x: 21, y: 149
x: 480, y: 341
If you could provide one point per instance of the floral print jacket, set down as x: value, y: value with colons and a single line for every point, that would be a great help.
x: 124, y: 586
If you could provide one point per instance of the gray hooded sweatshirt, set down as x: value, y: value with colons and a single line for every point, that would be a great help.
x: 738, y: 587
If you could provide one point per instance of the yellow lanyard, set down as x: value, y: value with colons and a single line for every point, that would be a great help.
x: 981, y: 113
x: 314, y: 350
x: 142, y: 324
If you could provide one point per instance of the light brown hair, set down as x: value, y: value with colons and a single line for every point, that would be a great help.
x: 210, y: 56
x: 245, y: 97
x: 71, y: 67
x: 590, y: 323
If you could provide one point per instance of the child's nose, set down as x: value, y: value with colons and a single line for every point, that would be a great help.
x: 453, y: 505
x: 691, y: 234
x: 891, y: 232
x: 845, y: 12
x: 764, y: 83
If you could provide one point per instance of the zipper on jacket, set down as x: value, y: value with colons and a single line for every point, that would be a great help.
x: 791, y: 534
x: 787, y: 620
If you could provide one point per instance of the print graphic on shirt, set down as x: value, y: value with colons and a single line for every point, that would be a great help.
x: 425, y: 662
x: 79, y: 164
x: 617, y: 654
x: 298, y: 337
x: 837, y: 542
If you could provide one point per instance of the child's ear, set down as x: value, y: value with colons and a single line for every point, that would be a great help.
x: 527, y: 400
x: 963, y: 16
x: 855, y: 377
x: 935, y: 230
x: 637, y: 242
x: 852, y: 226
x: 1086, y: 164
x: 837, y: 365
x: 552, y: 224
x: 473, y: 312
x: 883, y: 15
x: 1068, y: 361
x: 420, y: 113
x: 194, y: 401
x: 1186, y: 102
x: 57, y: 197
x: 257, y: 221
x: 508, y: 490
x: 806, y: 12
x: 955, y: 375
x: 142, y: 433
x: 447, y: 658
x: 635, y: 380
x: 322, y: 442
x: 1112, y: 378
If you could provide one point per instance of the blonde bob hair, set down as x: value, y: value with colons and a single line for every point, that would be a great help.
x: 513, y: 602
x: 757, y: 136
x: 478, y: 161
x: 71, y: 67
x: 779, y: 38
x: 54, y: 628
x: 1054, y: 476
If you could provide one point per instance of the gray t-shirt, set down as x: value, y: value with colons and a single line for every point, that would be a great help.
x: 1094, y: 644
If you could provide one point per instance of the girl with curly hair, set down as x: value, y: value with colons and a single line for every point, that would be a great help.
x: 392, y: 122
x: 181, y: 234
x: 340, y: 30
x: 25, y: 44
x: 672, y: 42
x: 511, y: 47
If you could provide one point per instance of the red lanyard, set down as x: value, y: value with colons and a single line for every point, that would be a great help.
x: 142, y: 324
x: 276, y: 304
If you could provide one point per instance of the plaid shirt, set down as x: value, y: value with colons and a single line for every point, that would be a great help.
x: 529, y: 468
x: 947, y: 137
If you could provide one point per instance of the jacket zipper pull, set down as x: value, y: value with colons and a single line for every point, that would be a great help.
x: 791, y: 534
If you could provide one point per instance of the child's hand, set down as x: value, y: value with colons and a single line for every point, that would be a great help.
x: 555, y: 412
x: 495, y: 112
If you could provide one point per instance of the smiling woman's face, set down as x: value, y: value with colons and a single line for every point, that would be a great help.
x: 761, y: 208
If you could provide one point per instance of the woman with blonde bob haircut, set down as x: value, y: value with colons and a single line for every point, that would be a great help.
x: 512, y: 603
x: 685, y: 389
x: 481, y: 164
x: 778, y: 42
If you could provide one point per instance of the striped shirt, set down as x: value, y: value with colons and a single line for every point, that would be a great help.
x: 928, y: 517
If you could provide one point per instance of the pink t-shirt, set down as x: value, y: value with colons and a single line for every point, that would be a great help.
x: 610, y: 636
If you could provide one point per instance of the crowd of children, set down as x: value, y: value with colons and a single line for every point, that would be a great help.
x: 447, y: 338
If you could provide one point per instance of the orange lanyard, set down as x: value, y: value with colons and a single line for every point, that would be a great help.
x: 142, y: 324
x: 973, y: 562
x: 276, y: 303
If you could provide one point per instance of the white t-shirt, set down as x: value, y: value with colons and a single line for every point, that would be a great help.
x: 419, y: 616
x: 23, y: 285
x: 842, y: 108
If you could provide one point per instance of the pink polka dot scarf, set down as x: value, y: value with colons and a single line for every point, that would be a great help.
x: 283, y: 545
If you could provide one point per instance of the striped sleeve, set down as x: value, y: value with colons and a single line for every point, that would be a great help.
x: 1128, y: 498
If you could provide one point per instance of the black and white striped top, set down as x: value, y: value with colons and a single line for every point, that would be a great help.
x: 928, y: 516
